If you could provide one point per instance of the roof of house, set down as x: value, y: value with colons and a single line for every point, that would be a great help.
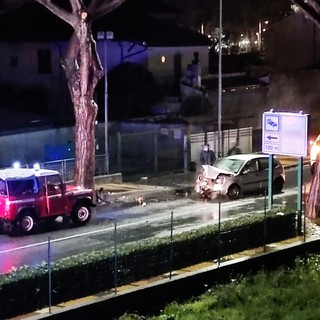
x: 131, y: 22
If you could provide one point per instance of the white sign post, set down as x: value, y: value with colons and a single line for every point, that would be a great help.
x: 285, y: 133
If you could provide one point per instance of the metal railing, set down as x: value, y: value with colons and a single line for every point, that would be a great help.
x: 152, y: 152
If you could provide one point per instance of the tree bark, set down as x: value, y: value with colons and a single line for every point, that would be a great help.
x: 83, y: 71
x: 313, y: 199
x: 311, y: 9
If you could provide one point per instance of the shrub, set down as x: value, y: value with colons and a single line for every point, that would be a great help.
x: 195, y: 105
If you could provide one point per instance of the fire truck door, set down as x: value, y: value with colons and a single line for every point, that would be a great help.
x: 54, y: 196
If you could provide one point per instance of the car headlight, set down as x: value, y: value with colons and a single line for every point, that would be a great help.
x: 220, y: 180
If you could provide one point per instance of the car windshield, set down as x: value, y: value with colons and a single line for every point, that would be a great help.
x: 229, y: 164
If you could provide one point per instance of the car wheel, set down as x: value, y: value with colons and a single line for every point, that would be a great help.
x: 278, y: 185
x: 81, y: 214
x: 26, y: 223
x: 234, y: 192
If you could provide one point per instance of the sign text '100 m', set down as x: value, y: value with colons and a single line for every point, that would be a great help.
x: 271, y: 147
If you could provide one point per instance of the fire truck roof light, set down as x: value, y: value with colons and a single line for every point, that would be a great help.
x: 16, y: 165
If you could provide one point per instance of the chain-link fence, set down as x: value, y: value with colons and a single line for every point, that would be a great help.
x: 138, y: 153
x: 152, y: 152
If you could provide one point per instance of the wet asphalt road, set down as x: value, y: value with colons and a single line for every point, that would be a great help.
x: 170, y: 205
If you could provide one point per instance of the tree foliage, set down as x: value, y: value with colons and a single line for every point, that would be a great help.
x: 132, y: 91
x: 195, y: 105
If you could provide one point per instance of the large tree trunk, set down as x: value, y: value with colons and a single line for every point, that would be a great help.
x: 85, y: 112
x: 313, y: 200
x: 83, y: 71
x: 311, y: 9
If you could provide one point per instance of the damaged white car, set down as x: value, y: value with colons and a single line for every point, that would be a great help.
x: 239, y: 174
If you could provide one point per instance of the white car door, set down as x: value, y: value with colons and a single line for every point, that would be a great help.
x: 251, y: 179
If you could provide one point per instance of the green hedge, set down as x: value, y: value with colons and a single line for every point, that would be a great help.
x: 26, y: 289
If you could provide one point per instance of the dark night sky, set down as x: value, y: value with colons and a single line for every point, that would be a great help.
x: 237, y: 14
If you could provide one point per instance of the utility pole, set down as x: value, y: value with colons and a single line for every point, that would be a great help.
x: 220, y: 81
x: 105, y: 36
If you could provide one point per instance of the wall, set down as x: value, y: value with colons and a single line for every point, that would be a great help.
x: 243, y: 106
x: 295, y: 91
x: 163, y: 72
x: 25, y: 87
x: 116, y: 53
x: 51, y: 92
x: 29, y: 147
x: 292, y: 44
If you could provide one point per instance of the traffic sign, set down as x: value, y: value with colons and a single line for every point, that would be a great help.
x: 285, y: 133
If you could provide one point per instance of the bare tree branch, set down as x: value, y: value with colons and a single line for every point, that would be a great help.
x: 58, y: 11
x: 96, y: 63
x: 76, y: 5
x: 315, y: 5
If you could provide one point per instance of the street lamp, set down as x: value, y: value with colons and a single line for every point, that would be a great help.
x: 105, y: 36
x: 261, y: 29
x: 220, y: 80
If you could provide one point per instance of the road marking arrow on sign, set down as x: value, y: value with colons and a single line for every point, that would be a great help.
x: 271, y: 137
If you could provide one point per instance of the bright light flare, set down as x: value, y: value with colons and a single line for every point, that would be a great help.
x: 314, y: 151
x: 16, y: 165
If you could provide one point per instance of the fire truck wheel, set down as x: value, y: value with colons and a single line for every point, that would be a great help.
x: 26, y: 223
x: 81, y: 214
